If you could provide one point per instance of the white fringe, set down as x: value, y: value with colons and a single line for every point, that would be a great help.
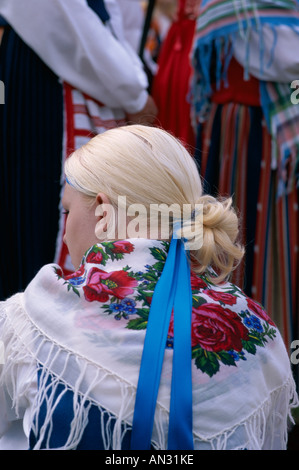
x: 23, y: 340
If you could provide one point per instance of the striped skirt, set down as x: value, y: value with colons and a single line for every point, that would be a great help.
x: 234, y: 155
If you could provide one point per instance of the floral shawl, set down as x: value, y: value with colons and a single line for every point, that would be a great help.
x: 86, y: 332
x: 219, y: 23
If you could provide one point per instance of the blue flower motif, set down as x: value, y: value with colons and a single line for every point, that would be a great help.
x: 130, y: 310
x: 257, y: 324
x: 123, y: 309
x: 128, y: 306
x: 116, y: 307
x: 128, y: 302
x: 248, y: 322
x: 234, y: 355
x: 77, y: 281
x: 169, y: 342
x: 253, y: 322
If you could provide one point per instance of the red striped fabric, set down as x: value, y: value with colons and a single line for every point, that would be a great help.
x: 276, y: 256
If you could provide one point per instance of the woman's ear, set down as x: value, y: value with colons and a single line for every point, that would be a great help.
x: 102, y: 204
x: 104, y: 211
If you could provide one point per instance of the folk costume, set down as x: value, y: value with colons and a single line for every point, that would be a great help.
x: 248, y: 139
x: 135, y: 351
x: 69, y: 74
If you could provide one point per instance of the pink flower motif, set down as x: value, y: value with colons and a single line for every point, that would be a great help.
x: 78, y: 273
x: 224, y: 297
x: 94, y: 257
x: 122, y: 246
x: 101, y: 284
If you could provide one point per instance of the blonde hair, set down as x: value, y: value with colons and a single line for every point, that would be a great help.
x: 149, y: 166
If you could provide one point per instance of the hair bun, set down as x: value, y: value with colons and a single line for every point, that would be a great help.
x: 219, y: 248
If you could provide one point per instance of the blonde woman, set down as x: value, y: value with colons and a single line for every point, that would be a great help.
x: 147, y: 345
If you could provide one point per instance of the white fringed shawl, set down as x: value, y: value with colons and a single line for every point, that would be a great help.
x: 87, y: 333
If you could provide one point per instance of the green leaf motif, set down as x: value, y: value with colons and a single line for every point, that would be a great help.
x: 137, y: 324
x: 158, y: 254
x: 197, y: 301
x: 226, y: 358
x: 158, y: 266
x: 143, y: 313
x: 71, y: 287
x: 258, y: 340
x: 206, y: 361
x: 76, y: 291
x: 249, y: 346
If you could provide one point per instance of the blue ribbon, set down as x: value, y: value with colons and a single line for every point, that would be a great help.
x: 172, y: 292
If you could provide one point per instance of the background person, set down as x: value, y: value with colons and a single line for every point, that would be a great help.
x: 69, y: 74
x: 247, y: 139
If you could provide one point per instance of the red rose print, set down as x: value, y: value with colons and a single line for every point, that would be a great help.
x: 224, y: 297
x: 216, y: 329
x: 197, y: 282
x: 94, y: 257
x: 101, y: 284
x: 256, y: 308
x: 122, y: 246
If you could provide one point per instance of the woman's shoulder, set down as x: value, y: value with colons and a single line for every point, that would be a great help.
x: 228, y: 327
x: 226, y: 295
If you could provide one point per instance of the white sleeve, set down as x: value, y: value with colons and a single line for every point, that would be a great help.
x: 133, y: 20
x: 69, y: 37
x: 280, y: 63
